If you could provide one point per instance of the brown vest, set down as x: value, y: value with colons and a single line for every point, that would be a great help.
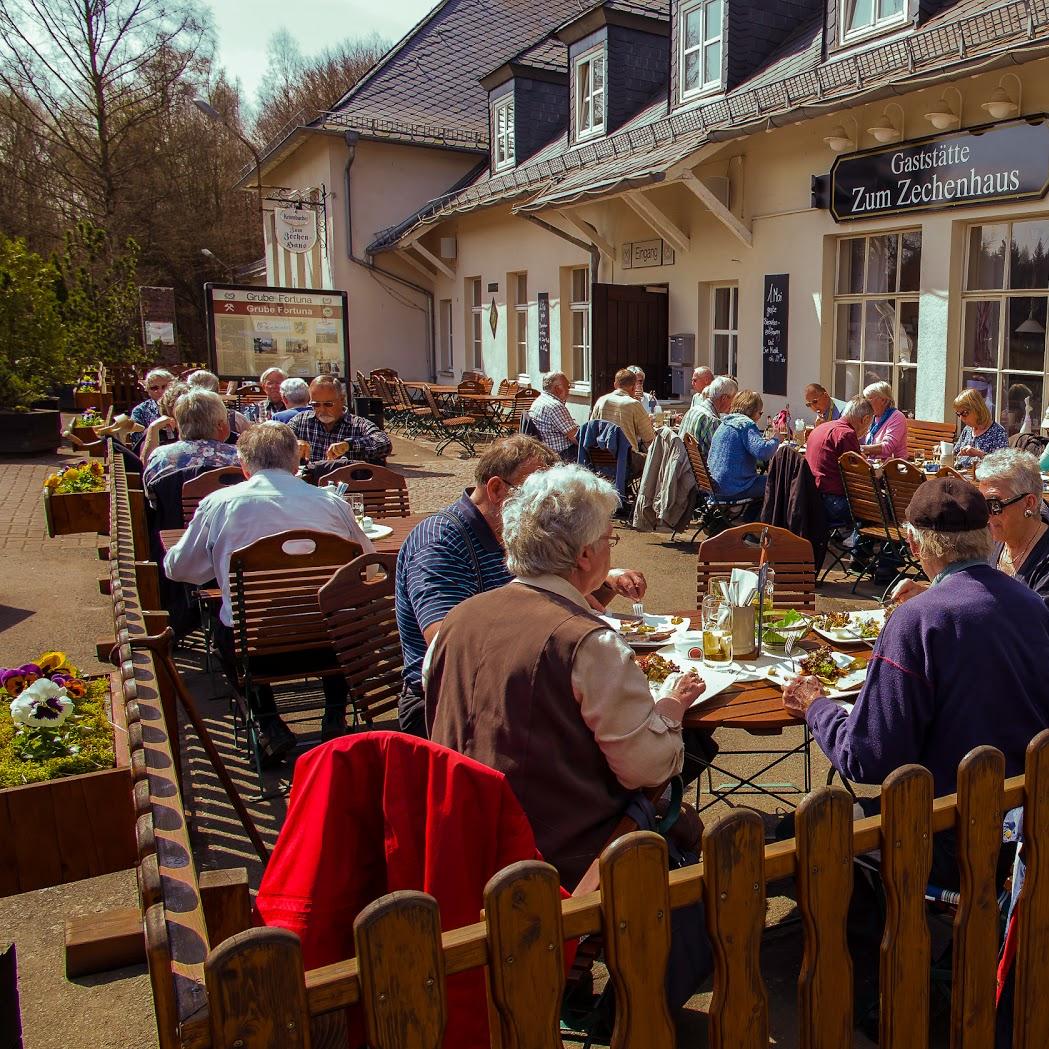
x: 500, y: 691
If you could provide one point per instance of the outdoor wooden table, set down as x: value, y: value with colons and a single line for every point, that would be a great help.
x: 391, y: 544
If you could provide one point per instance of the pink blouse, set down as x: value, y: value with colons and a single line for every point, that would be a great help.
x: 892, y: 436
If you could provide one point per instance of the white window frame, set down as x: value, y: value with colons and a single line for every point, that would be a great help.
x: 876, y: 27
x: 476, y: 336
x: 519, y: 336
x: 581, y: 308
x: 732, y: 331
x: 596, y: 124
x: 447, y: 328
x: 503, y: 145
x: 705, y: 86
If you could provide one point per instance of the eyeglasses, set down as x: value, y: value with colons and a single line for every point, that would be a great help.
x: 995, y: 505
x: 963, y: 413
x: 155, y: 389
x: 323, y: 404
x: 612, y: 540
x: 811, y: 404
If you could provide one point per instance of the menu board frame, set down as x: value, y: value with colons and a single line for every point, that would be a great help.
x: 775, y: 319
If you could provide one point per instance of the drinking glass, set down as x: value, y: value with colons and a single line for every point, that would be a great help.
x: 717, y: 630
x: 717, y: 585
x: 357, y: 504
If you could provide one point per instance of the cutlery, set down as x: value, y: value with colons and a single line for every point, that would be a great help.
x: 639, y: 609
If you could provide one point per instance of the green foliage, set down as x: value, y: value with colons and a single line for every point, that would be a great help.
x: 98, y: 297
x: 32, y: 339
x: 90, y: 730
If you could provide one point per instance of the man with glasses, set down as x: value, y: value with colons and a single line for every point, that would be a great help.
x: 826, y: 408
x: 333, y: 433
x: 262, y: 411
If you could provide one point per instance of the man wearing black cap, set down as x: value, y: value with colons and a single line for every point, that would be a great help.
x: 958, y: 666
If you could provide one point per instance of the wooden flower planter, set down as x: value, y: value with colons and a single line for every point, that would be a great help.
x: 76, y: 512
x: 75, y: 827
x: 85, y: 399
x: 84, y: 438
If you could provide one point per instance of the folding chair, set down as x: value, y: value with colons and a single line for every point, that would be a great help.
x: 385, y: 492
x: 873, y: 519
x: 417, y: 418
x: 358, y: 608
x: 279, y: 634
x: 716, y: 512
x: 523, y: 399
x: 456, y: 429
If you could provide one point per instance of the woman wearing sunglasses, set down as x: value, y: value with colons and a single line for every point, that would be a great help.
x: 980, y: 434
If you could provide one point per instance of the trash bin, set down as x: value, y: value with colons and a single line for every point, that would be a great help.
x: 369, y: 408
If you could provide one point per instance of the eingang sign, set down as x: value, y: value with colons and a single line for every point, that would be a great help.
x: 302, y: 331
x: 991, y: 164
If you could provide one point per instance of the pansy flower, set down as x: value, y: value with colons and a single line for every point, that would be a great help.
x: 13, y: 680
x: 42, y: 705
x: 56, y: 663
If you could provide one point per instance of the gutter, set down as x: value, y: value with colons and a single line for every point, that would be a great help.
x: 595, y: 251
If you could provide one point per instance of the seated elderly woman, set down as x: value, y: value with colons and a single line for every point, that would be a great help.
x: 980, y: 434
x: 887, y: 437
x: 736, y: 448
x: 527, y: 679
x: 206, y: 380
x: 203, y: 427
x: 155, y: 383
x: 163, y: 429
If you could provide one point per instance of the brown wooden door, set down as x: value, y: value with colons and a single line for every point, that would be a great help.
x: 629, y: 325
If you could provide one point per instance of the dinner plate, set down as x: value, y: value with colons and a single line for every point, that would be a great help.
x: 662, y: 622
x: 849, y: 685
x: 716, y: 680
x: 378, y: 531
x: 845, y: 636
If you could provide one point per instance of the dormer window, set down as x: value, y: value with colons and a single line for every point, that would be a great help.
x: 503, y: 133
x: 701, y: 33
x: 862, y: 18
x: 590, y: 95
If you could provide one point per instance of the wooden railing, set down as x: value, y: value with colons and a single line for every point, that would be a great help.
x: 250, y: 991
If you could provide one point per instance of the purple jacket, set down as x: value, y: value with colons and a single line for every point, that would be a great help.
x: 956, y: 667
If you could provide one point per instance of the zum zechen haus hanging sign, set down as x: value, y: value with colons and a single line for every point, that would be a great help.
x: 986, y: 165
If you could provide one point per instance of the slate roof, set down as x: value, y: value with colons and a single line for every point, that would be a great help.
x: 796, y: 84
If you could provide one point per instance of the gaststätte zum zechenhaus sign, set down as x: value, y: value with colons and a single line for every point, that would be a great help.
x: 990, y: 164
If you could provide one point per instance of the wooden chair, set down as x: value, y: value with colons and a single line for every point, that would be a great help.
x: 388, y: 374
x: 716, y: 512
x: 902, y: 480
x: 950, y: 471
x: 787, y: 553
x: 924, y: 436
x: 511, y: 423
x: 358, y: 610
x: 204, y: 484
x: 279, y: 634
x: 455, y: 429
x: 385, y: 491
x: 417, y: 418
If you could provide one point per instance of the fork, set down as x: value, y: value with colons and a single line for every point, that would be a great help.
x: 639, y: 609
x: 788, y: 648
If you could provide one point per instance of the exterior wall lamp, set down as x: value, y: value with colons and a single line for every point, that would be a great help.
x: 1000, y: 105
x: 838, y: 139
x: 886, y: 131
x: 943, y: 117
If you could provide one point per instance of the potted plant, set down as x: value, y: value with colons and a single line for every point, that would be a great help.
x: 82, y: 432
x: 32, y: 350
x: 76, y: 500
x: 89, y: 395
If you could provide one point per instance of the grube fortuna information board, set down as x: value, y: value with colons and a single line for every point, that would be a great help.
x: 303, y: 331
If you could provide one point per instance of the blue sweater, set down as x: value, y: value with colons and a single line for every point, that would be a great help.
x: 957, y: 667
x: 735, y: 449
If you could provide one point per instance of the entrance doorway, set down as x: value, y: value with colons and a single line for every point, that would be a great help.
x: 629, y: 325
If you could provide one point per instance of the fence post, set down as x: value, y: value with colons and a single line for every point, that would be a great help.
x: 257, y: 992
x: 635, y: 903
x: 734, y: 898
x: 401, y: 966
x: 978, y: 821
x: 906, y: 856
x: 1030, y: 1015
x: 823, y: 830
x: 522, y: 906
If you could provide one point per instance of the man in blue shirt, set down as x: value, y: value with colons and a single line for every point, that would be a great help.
x: 458, y: 553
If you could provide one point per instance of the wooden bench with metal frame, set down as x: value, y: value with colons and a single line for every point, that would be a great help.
x: 924, y: 436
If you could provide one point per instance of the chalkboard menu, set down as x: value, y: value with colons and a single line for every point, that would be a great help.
x: 544, y: 331
x: 775, y: 310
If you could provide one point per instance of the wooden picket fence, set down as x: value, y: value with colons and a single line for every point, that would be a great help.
x: 248, y: 990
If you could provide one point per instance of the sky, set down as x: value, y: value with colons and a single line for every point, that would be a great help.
x: 243, y: 28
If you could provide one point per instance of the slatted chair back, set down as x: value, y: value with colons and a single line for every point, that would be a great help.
x: 949, y: 471
x: 385, y: 491
x: 924, y: 435
x: 204, y: 484
x: 248, y: 398
x: 382, y: 387
x: 365, y: 384
x: 507, y: 388
x: 522, y: 402
x: 698, y: 461
x: 357, y: 604
x: 276, y: 617
x: 861, y: 490
x: 458, y: 429
x: 470, y: 376
x: 471, y: 386
x: 902, y: 480
x: 789, y: 554
x: 389, y: 374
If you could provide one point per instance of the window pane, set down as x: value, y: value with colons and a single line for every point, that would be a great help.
x: 580, y: 286
x: 712, y: 62
x: 722, y: 363
x: 476, y: 292
x: 984, y: 384
x: 911, y: 261
x: 880, y: 330
x: 584, y: 114
x: 691, y: 75
x: 1029, y: 255
x: 890, y: 8
x: 847, y: 335
x: 907, y: 340
x: 980, y: 345
x: 721, y: 308
x: 1022, y: 400
x: 847, y: 381
x: 522, y: 288
x: 598, y: 74
x: 860, y: 14
x: 713, y: 19
x: 986, y: 257
x: 881, y: 263
x: 876, y: 373
x: 906, y: 384
x: 693, y: 24
x: 1025, y: 335
x: 735, y: 308
x: 850, y: 266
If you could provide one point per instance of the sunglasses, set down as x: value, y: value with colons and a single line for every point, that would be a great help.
x: 323, y: 404
x: 995, y: 505
x: 155, y: 389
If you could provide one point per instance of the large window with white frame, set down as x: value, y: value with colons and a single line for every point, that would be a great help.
x: 503, y: 133
x: 724, y: 335
x: 876, y: 315
x: 1004, y: 322
x: 579, y: 308
x: 700, y: 33
x: 476, y: 347
x: 445, y: 314
x: 860, y: 18
x: 519, y: 356
x: 590, y: 95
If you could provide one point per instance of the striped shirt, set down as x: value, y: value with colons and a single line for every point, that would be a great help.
x: 436, y: 572
x: 367, y: 441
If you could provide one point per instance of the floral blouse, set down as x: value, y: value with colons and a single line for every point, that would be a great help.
x: 993, y: 438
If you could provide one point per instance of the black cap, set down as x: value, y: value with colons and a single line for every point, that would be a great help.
x: 948, y: 504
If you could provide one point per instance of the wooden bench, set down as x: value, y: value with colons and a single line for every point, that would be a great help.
x: 924, y: 435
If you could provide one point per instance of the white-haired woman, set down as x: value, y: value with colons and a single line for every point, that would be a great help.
x: 529, y: 680
x: 205, y: 380
x: 155, y: 383
x: 887, y: 437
